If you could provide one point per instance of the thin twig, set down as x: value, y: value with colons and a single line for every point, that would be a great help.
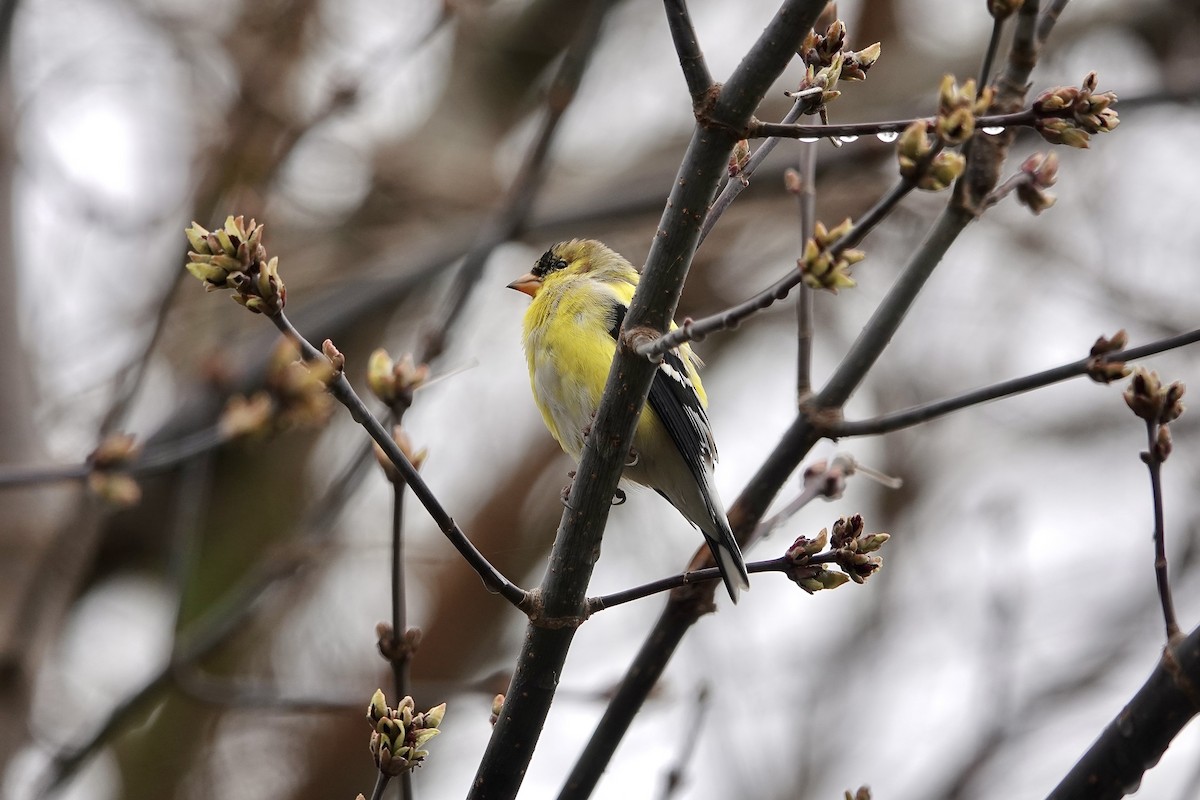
x: 399, y: 653
x: 925, y: 412
x: 1015, y: 119
x: 696, y: 330
x: 400, y: 661
x: 806, y: 200
x: 691, y: 57
x: 162, y: 456
x: 691, y: 738
x: 14, y: 476
x: 692, y: 578
x: 1154, y: 460
x: 737, y: 184
x: 989, y: 55
x: 344, y: 393
x: 1048, y: 19
x: 886, y: 319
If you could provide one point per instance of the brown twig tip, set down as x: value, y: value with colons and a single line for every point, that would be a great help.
x: 1068, y: 115
x: 497, y: 709
x: 399, y: 733
x: 862, y: 793
x: 1100, y: 367
x: 397, y: 648
x: 233, y: 257
x: 827, y: 61
x: 849, y: 547
x: 1150, y: 400
x: 394, y: 382
x: 336, y: 360
x: 1038, y: 173
x: 739, y: 157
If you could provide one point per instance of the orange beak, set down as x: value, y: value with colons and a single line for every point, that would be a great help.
x: 527, y: 284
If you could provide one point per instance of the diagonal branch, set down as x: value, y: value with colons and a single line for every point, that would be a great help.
x: 898, y: 420
x: 1139, y: 735
x: 564, y: 587
x: 344, y: 393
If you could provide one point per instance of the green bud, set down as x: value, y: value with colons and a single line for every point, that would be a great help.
x: 944, y: 170
x: 956, y: 127
x: 212, y: 275
x: 866, y: 58
x: 810, y: 585
x: 433, y: 717
x: 830, y: 579
x: 377, y: 709
x: 872, y: 542
x: 198, y: 239
x: 226, y: 244
x: 424, y: 735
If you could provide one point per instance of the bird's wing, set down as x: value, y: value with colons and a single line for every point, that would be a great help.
x: 674, y: 400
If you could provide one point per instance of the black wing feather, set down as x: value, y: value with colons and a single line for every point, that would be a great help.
x: 674, y: 400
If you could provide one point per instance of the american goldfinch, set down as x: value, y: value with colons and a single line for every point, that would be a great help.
x: 581, y: 291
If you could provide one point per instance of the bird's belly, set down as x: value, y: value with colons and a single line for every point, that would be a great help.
x: 568, y: 406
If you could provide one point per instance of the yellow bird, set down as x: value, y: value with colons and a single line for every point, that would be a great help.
x: 581, y: 291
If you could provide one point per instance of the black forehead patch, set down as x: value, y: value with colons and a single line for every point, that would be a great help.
x: 549, y: 262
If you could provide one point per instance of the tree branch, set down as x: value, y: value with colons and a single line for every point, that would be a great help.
x: 687, y: 46
x: 916, y: 415
x: 1138, y: 736
x: 688, y: 604
x: 564, y: 587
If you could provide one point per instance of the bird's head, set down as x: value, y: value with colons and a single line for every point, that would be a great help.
x: 568, y: 260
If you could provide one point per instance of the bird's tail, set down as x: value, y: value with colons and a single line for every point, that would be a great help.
x: 728, y: 556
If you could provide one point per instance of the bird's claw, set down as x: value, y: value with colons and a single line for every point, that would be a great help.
x: 619, y: 498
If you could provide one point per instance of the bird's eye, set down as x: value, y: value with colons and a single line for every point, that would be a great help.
x: 548, y: 263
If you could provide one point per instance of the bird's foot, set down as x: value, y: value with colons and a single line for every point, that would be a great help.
x: 633, y: 458
x: 619, y: 498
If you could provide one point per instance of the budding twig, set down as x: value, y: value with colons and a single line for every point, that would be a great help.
x: 916, y: 415
x: 1157, y: 405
